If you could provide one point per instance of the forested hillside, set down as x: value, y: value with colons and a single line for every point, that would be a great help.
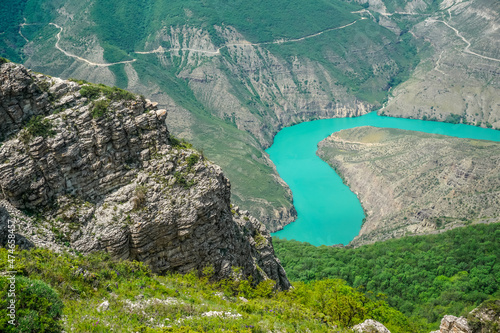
x: 423, y: 276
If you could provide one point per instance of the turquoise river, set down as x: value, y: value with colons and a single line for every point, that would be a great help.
x: 328, y: 212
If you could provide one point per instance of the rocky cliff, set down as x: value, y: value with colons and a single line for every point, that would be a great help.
x: 92, y: 168
x: 483, y: 319
x: 225, y: 84
x: 415, y: 183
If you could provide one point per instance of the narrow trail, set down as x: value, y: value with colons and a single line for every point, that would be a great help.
x: 163, y: 50
x: 217, y: 51
x: 58, y: 36
x: 403, y: 13
x: 467, y: 48
x: 362, y: 11
x: 438, y: 63
x: 21, y: 33
x: 313, y: 35
x: 448, y: 10
x: 22, y: 25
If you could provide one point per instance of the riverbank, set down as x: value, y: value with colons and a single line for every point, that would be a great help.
x: 415, y: 183
x: 328, y: 211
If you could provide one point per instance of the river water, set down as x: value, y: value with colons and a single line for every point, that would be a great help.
x: 328, y: 212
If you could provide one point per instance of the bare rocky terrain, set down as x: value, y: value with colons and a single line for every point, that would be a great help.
x: 76, y: 178
x: 415, y: 183
x: 239, y: 96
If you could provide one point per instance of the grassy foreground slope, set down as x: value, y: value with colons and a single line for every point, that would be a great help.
x: 423, y: 276
x: 135, y: 300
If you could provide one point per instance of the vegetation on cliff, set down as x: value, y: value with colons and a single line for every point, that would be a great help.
x: 425, y: 277
x: 102, y: 295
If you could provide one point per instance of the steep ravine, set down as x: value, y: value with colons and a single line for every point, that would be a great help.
x: 100, y: 172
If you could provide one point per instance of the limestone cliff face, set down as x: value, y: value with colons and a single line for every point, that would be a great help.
x: 257, y: 90
x: 246, y: 86
x: 114, y: 180
x: 415, y: 183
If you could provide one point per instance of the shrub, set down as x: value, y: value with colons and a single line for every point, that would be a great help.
x: 179, y: 143
x: 38, y: 307
x: 37, y: 126
x: 3, y: 61
x: 99, y: 108
x: 90, y: 91
x: 139, y: 198
x: 94, y: 91
x: 454, y: 119
x: 192, y: 159
x: 80, y: 82
x: 259, y: 240
x: 478, y: 324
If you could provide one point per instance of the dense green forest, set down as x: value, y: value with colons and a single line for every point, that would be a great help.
x: 422, y: 276
x: 50, y: 286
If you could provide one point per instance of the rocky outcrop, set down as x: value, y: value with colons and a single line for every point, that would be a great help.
x: 24, y: 95
x: 486, y: 317
x: 452, y: 324
x: 370, y: 326
x: 102, y: 174
x: 415, y: 183
x: 483, y: 319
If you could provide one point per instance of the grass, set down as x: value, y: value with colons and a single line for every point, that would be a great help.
x: 99, y: 108
x: 93, y: 91
x: 142, y: 301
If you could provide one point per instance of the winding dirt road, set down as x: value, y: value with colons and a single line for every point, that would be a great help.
x: 58, y: 36
x: 467, y: 48
x: 216, y: 52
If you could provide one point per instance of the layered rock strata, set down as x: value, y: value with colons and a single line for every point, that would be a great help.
x: 104, y: 175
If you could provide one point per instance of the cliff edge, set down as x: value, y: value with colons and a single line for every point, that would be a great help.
x: 86, y: 167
